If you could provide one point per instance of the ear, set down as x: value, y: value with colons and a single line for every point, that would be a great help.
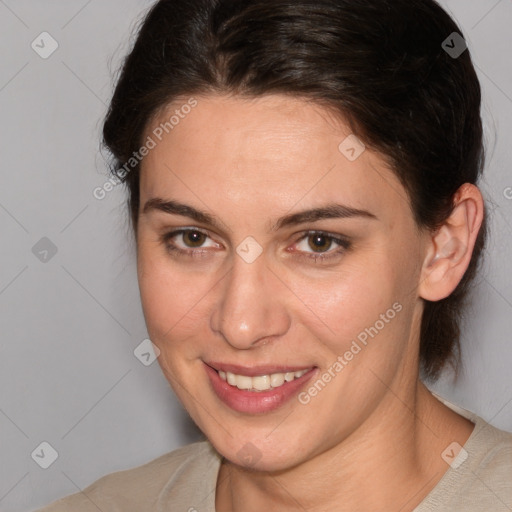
x: 450, y: 247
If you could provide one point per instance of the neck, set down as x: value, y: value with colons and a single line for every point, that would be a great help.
x: 385, y: 465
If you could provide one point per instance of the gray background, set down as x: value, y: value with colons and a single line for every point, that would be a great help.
x: 70, y: 324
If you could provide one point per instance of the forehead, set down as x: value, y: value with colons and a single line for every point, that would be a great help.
x: 261, y: 126
x: 287, y: 147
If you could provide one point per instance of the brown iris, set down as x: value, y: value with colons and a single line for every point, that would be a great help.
x: 193, y: 238
x: 319, y: 243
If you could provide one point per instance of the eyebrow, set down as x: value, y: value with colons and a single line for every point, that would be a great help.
x: 330, y: 211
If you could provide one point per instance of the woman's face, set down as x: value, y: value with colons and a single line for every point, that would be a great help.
x: 236, y: 276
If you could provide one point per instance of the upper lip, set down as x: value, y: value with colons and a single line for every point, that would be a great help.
x: 254, y: 371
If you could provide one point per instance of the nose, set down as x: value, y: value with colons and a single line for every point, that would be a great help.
x: 251, y: 306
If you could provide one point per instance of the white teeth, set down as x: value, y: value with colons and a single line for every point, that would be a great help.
x: 243, y: 382
x: 276, y: 380
x: 230, y: 377
x: 260, y: 382
x: 288, y: 377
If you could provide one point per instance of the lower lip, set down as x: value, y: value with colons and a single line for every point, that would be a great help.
x: 255, y: 402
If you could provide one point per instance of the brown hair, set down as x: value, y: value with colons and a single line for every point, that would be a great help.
x: 379, y: 63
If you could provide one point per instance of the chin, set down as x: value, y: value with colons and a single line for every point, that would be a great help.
x: 252, y: 456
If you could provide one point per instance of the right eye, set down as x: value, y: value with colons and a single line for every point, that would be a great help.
x: 185, y: 241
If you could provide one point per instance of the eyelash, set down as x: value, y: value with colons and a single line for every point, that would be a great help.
x: 341, y: 241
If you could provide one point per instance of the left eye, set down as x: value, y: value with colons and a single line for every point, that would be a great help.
x: 320, y: 243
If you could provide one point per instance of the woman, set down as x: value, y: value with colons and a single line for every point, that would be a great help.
x: 303, y: 190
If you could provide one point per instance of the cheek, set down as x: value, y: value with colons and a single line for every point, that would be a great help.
x: 364, y: 310
x: 172, y: 300
x: 348, y: 300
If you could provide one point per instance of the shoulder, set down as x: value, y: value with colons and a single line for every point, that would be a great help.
x: 492, y: 450
x: 486, y: 473
x: 488, y: 449
x: 480, y: 476
x: 177, y: 475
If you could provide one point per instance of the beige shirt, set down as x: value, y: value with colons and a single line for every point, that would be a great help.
x: 478, y: 479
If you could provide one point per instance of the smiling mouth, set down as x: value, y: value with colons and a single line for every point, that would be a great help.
x: 261, y: 382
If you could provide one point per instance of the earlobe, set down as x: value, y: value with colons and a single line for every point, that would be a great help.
x: 450, y: 247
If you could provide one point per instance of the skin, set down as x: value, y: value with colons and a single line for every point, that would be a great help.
x: 248, y: 162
